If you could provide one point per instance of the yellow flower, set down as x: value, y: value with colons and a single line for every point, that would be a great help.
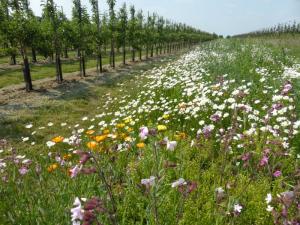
x: 120, y: 125
x: 52, y: 167
x: 166, y: 116
x: 130, y: 129
x: 127, y: 120
x: 128, y: 139
x: 180, y: 135
x: 140, y: 145
x: 90, y: 132
x: 161, y: 127
x: 92, y: 145
x: 58, y: 139
x: 122, y: 135
x: 100, y: 138
x: 182, y: 105
x: 106, y: 131
x: 67, y: 156
x: 215, y: 88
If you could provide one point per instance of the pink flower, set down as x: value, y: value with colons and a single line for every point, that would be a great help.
x: 215, y: 117
x: 277, y: 173
x: 75, y: 171
x: 264, y: 161
x: 23, y: 170
x: 144, y: 132
x: 76, y: 212
x: 237, y: 209
x: 286, y: 89
x: 246, y: 156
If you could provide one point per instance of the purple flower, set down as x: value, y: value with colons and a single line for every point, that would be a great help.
x: 207, y: 130
x: 23, y: 170
x: 148, y: 182
x: 277, y: 173
x: 215, y: 118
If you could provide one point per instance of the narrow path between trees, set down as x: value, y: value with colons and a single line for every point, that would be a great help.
x: 14, y: 98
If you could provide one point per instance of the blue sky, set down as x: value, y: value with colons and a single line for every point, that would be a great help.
x: 225, y: 17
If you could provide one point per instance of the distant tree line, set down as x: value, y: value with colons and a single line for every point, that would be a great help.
x: 53, y: 35
x: 280, y: 29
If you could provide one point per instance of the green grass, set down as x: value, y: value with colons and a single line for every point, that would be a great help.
x: 46, y: 197
x: 15, y: 76
x: 289, y: 42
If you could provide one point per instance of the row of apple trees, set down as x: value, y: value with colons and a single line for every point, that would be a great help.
x: 52, y: 35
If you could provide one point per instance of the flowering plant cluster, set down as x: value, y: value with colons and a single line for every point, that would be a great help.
x: 190, y: 143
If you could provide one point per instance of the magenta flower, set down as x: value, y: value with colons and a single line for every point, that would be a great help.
x: 277, y: 173
x: 264, y: 161
x: 246, y: 156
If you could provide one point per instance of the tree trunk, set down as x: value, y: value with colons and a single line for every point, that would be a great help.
x: 147, y: 52
x: 66, y: 53
x: 13, y: 60
x: 140, y: 51
x: 152, y: 51
x: 82, y: 64
x: 27, y: 76
x: 100, y: 62
x: 113, y: 55
x: 33, y: 55
x: 133, y: 54
x: 124, y: 54
x: 59, y: 77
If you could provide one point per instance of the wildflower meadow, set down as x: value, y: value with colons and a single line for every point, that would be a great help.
x: 202, y: 130
x: 209, y: 138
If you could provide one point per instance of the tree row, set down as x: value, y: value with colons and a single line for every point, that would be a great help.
x: 52, y: 35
